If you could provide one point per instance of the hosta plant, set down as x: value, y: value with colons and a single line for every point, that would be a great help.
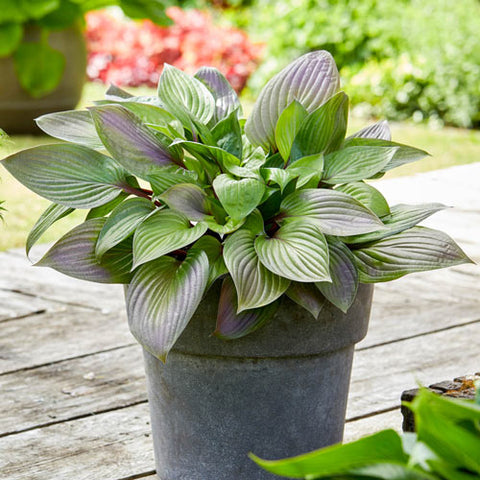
x: 181, y: 192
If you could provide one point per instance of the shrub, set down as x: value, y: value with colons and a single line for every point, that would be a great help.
x: 399, y: 58
x: 132, y: 53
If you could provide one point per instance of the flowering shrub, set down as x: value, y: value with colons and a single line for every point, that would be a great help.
x: 130, y: 53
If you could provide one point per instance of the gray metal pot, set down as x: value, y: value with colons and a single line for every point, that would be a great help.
x: 277, y: 392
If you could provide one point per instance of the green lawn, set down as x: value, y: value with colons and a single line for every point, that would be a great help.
x: 448, y: 146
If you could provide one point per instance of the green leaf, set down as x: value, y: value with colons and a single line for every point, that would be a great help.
x: 280, y: 176
x: 189, y: 199
x: 368, y: 196
x: 214, y: 251
x: 323, y: 130
x: 238, y: 197
x: 163, y: 232
x: 154, y: 10
x: 307, y: 296
x: 106, y: 208
x: 185, y: 96
x: 308, y: 169
x: 352, y: 164
x: 10, y: 37
x: 39, y: 68
x: 122, y: 222
x: 404, y: 154
x: 232, y: 325
x: 415, y: 250
x: 52, y: 214
x: 335, y: 213
x: 74, y: 126
x: 227, y: 134
x: 287, y: 127
x: 382, y: 447
x: 62, y: 17
x: 162, y: 297
x: 70, y: 175
x: 256, y: 286
x: 229, y: 226
x: 74, y: 255
x: 342, y: 288
x: 226, y: 99
x: 163, y: 180
x: 297, y: 251
x: 311, y: 80
x: 136, y: 147
x: 402, y: 217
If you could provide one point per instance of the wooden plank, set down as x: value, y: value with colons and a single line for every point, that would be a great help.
x: 20, y: 276
x: 14, y: 305
x: 380, y: 374
x: 71, y: 389
x: 112, y: 446
x: 422, y: 303
x: 366, y: 426
x: 51, y: 337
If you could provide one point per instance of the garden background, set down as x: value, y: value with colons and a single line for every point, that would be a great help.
x: 415, y: 62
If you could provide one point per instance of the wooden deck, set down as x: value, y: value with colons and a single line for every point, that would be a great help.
x: 71, y: 376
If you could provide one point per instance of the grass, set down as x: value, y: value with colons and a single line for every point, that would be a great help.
x: 448, y: 147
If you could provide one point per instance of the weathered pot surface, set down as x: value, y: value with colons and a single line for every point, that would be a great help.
x: 277, y: 392
x: 17, y: 108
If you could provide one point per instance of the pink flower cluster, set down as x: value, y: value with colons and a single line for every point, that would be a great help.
x: 128, y: 53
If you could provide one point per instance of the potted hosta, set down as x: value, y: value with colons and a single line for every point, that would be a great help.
x: 248, y: 250
x: 43, y: 56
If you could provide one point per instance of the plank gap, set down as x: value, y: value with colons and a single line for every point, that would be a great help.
x: 139, y: 475
x: 372, y: 414
x: 19, y: 317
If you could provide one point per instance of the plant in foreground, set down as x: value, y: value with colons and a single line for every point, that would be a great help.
x: 182, y: 191
x: 40, y: 67
x: 446, y: 446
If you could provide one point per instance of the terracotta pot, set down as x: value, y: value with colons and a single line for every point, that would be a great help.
x: 17, y: 108
x: 277, y: 392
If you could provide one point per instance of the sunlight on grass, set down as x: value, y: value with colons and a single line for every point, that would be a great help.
x: 448, y: 147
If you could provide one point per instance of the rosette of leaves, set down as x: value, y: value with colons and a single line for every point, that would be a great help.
x: 40, y: 67
x: 181, y: 191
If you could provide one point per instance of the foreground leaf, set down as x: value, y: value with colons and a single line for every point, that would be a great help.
x: 162, y: 233
x: 335, y: 213
x: 311, y: 80
x: 232, y: 325
x: 189, y: 199
x: 288, y: 125
x: 342, y: 289
x: 214, y: 251
x: 74, y: 126
x: 415, y: 250
x: 297, y: 251
x: 379, y: 130
x: 162, y: 297
x: 52, y: 214
x: 122, y: 222
x: 74, y: 255
x: 256, y: 286
x: 368, y: 196
x: 70, y: 175
x: 337, y: 460
x: 130, y: 142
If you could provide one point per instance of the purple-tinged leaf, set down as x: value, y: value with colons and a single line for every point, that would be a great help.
x: 379, y: 130
x: 74, y: 126
x: 162, y: 297
x: 401, y: 217
x: 52, y: 214
x: 415, y: 250
x: 335, y: 213
x: 256, y: 285
x: 226, y: 99
x: 297, y: 251
x: 232, y: 325
x: 70, y: 175
x: 136, y: 147
x: 307, y: 296
x: 122, y: 222
x: 311, y: 80
x: 74, y: 255
x: 163, y: 232
x: 189, y: 199
x: 341, y: 291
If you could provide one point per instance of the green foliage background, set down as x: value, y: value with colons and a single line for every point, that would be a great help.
x: 398, y: 58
